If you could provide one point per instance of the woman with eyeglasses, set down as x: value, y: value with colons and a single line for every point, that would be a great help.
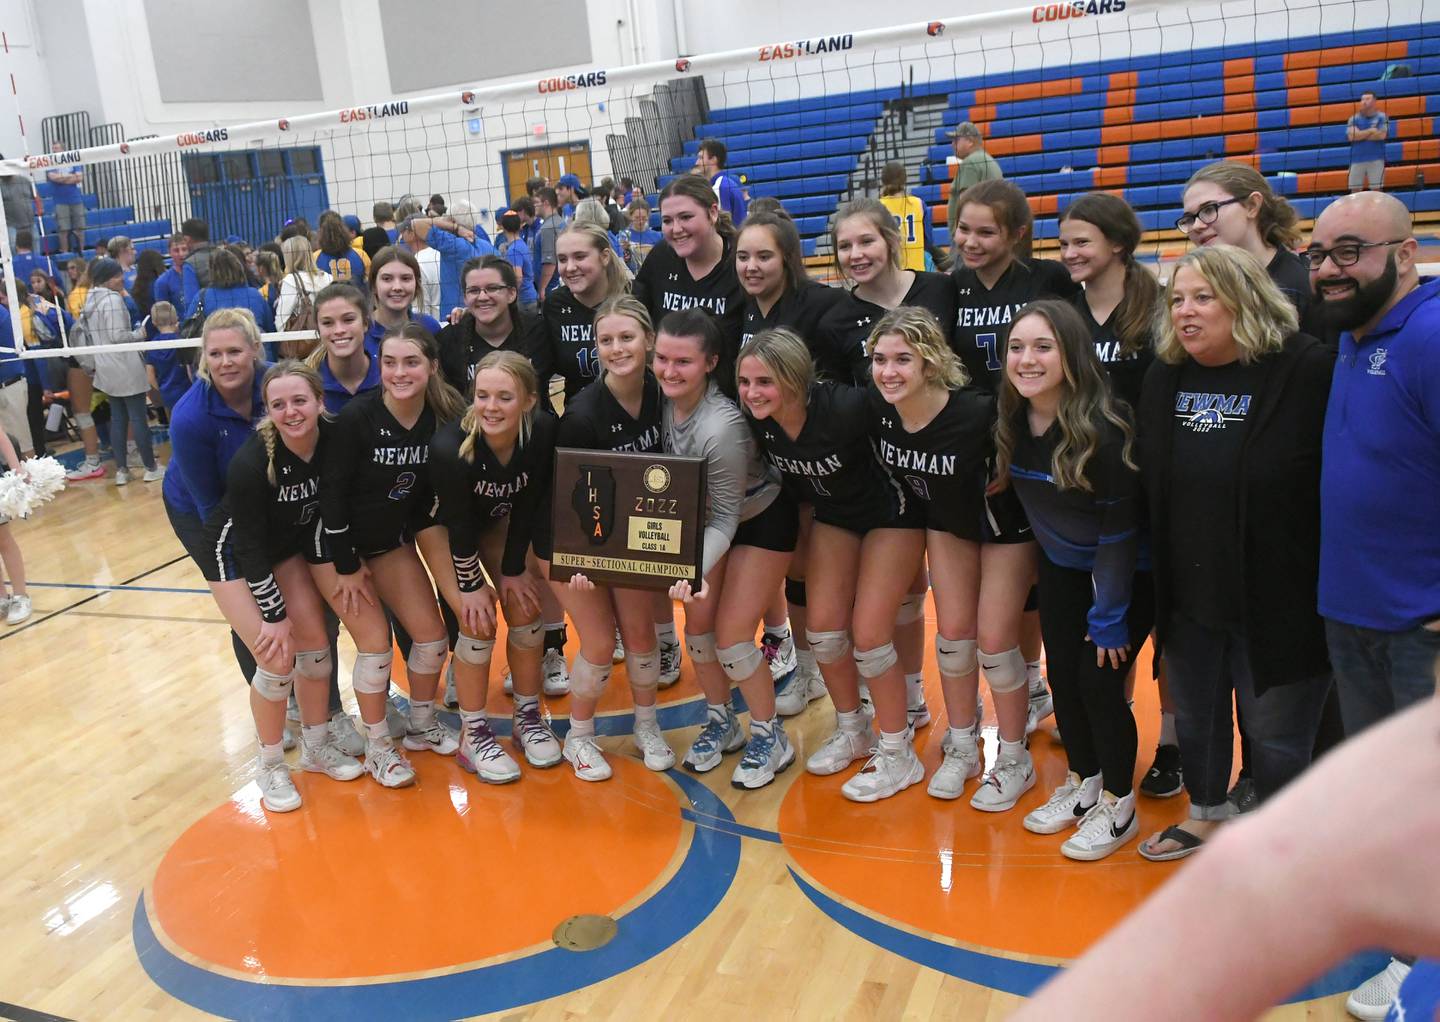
x: 1231, y: 203
x: 1230, y: 426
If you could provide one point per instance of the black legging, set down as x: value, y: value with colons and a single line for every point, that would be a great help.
x: 1095, y: 720
x: 332, y: 631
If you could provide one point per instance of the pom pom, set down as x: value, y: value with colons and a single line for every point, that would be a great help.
x: 47, y: 477
x: 16, y: 496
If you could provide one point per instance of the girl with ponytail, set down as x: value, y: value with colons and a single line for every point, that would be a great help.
x: 491, y: 474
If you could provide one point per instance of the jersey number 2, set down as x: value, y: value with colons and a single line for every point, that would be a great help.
x: 404, y: 483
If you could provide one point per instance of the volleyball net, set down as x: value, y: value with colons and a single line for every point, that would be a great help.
x: 1070, y: 96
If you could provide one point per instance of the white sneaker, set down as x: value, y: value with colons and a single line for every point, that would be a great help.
x: 715, y: 739
x: 1066, y: 806
x: 1108, y: 825
x: 651, y: 743
x: 87, y: 470
x: 917, y: 716
x: 960, y: 763
x: 433, y: 737
x: 585, y: 756
x: 669, y: 663
x: 618, y: 657
x: 1042, y: 705
x: 154, y: 475
x: 330, y: 761
x: 133, y: 459
x: 841, y: 749
x: 1007, y: 780
x: 388, y: 765
x: 4, y: 604
x: 20, y: 610
x: 887, y: 773
x: 450, y: 699
x: 122, y: 476
x: 557, y: 678
x: 481, y: 755
x: 768, y: 753
x: 779, y: 652
x: 277, y: 789
x: 1372, y: 999
x: 534, y: 739
x: 396, y: 720
x: 344, y: 735
x: 291, y: 736
x: 797, y: 691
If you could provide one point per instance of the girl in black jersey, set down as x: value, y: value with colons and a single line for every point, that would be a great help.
x: 865, y: 546
x: 996, y: 276
x: 342, y: 319
x: 263, y: 532
x: 376, y: 504
x: 394, y: 283
x: 1098, y: 236
x: 491, y: 472
x: 619, y: 412
x: 935, y: 434
x: 695, y: 265
x: 590, y: 272
x: 492, y: 321
x: 869, y: 252
x: 751, y: 527
x: 995, y: 279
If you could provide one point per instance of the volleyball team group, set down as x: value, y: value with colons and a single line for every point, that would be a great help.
x: 1054, y: 450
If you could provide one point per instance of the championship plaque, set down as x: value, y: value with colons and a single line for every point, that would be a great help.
x: 632, y: 520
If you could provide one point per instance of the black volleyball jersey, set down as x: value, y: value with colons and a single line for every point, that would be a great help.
x: 664, y: 284
x: 374, y: 478
x: 945, y: 463
x: 596, y: 421
x: 983, y: 314
x: 566, y: 342
x: 832, y: 464
x: 827, y: 319
x: 267, y: 524
x: 1126, y: 372
x: 932, y: 291
x: 462, y: 348
x: 475, y: 494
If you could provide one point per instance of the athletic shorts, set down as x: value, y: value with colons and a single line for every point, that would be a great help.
x: 70, y: 216
x: 1371, y: 171
x: 213, y: 547
x: 941, y: 519
x: 776, y: 528
x: 904, y: 513
x: 190, y: 531
x: 1005, y: 519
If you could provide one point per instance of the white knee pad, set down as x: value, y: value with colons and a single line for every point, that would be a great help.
x: 912, y: 609
x: 372, y: 672
x: 955, y: 657
x: 1004, y: 671
x: 272, y: 687
x: 701, y: 647
x: 313, y: 663
x: 588, y: 680
x: 871, y: 663
x: 427, y: 657
x: 472, y: 651
x: 828, y: 647
x: 643, y: 669
x: 741, y: 660
x: 527, y: 636
x: 84, y: 420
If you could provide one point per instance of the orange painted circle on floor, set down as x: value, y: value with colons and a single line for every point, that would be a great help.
x: 974, y: 877
x: 446, y: 873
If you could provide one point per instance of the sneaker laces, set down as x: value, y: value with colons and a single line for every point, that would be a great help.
x: 275, y: 776
x: 1002, y: 770
x: 530, y: 727
x: 1098, y: 817
x: 649, y: 737
x: 388, y: 759
x: 553, y: 662
x: 1060, y: 795
x: 757, y: 752
x: 482, y: 739
x: 711, y: 735
x: 586, y: 749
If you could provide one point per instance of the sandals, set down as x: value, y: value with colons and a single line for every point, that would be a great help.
x: 1188, y: 842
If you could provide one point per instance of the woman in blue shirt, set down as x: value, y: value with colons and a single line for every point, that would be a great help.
x: 394, y: 284
x: 230, y: 289
x: 337, y: 257
x: 347, y: 370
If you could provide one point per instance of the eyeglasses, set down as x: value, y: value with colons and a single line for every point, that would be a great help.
x: 493, y: 290
x: 1347, y: 253
x: 1206, y: 214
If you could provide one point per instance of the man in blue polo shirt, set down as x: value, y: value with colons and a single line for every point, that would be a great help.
x: 68, y: 200
x: 711, y: 162
x: 1367, y: 130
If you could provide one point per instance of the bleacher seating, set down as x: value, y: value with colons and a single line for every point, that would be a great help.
x: 1138, y: 126
x: 100, y: 224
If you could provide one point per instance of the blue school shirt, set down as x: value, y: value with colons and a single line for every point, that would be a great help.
x: 519, y: 255
x: 170, y: 371
x: 377, y: 331
x: 336, y: 396
x: 205, y: 433
x: 344, y: 269
x: 455, y: 252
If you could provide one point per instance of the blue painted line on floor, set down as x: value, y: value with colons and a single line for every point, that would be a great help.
x: 1024, y: 978
x: 682, y: 904
x: 120, y: 588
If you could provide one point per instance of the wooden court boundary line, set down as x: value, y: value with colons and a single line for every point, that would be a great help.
x: 93, y: 596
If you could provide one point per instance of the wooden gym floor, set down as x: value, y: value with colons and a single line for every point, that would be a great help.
x: 141, y: 880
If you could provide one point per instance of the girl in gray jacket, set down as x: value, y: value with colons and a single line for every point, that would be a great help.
x: 121, y: 376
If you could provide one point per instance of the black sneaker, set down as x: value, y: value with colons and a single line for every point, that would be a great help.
x: 1244, y: 796
x: 1164, y: 778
